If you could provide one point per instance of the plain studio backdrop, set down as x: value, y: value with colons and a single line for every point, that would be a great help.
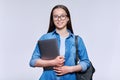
x: 22, y: 23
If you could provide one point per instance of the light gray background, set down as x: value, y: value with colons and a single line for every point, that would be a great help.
x: 22, y: 22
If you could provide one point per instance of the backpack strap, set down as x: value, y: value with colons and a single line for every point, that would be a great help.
x: 76, y: 45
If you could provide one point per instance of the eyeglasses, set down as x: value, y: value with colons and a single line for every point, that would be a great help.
x: 61, y: 17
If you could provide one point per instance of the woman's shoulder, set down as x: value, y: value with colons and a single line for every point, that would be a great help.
x: 79, y: 37
x: 45, y: 36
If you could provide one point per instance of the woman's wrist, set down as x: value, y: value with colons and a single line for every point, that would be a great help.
x: 53, y: 63
x: 71, y: 69
x: 75, y: 68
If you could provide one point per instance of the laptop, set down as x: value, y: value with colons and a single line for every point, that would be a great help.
x: 48, y: 49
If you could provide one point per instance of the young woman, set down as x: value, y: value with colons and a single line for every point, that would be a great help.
x: 64, y: 67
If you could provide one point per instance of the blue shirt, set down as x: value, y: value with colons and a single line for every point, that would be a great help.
x: 70, y: 56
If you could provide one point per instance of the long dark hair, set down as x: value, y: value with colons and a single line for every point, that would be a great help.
x: 51, y: 23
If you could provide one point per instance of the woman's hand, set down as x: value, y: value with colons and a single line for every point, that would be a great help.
x: 63, y: 70
x: 59, y: 61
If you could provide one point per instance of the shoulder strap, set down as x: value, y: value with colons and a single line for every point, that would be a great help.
x: 76, y: 45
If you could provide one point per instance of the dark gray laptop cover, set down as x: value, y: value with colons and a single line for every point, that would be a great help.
x: 48, y: 49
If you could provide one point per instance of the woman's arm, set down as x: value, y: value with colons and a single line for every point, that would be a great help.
x: 83, y: 55
x: 58, y: 61
x: 75, y: 68
x: 36, y: 60
x: 67, y: 69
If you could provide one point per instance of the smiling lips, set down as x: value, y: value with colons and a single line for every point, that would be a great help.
x: 59, y: 23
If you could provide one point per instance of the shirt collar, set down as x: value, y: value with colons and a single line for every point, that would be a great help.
x: 70, y: 34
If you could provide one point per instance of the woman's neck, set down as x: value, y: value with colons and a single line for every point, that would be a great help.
x: 62, y: 32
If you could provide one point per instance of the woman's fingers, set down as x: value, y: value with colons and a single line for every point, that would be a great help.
x: 58, y: 70
x: 59, y: 61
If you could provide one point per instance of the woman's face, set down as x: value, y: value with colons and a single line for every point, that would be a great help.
x: 60, y: 18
